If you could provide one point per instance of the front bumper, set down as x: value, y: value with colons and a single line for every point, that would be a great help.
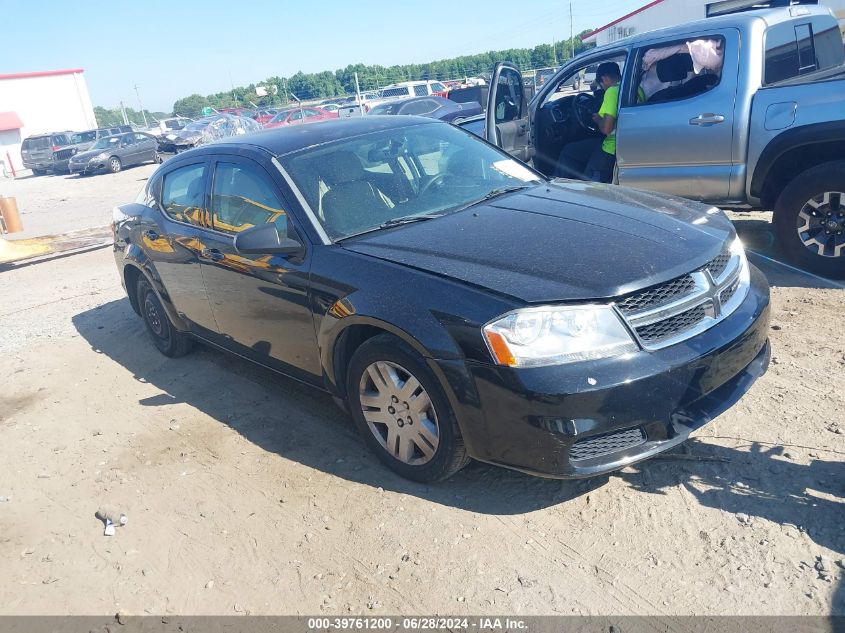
x: 88, y: 167
x: 585, y: 419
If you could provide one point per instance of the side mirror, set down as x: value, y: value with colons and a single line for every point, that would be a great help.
x: 264, y: 240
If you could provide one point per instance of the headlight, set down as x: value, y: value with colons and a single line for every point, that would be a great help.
x: 170, y: 137
x: 554, y: 335
x: 738, y: 249
x: 102, y: 156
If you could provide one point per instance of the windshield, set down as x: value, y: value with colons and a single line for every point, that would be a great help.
x: 199, y: 125
x: 357, y: 185
x: 106, y: 142
x: 83, y: 137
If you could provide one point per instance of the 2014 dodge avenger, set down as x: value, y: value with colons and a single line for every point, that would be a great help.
x: 458, y: 303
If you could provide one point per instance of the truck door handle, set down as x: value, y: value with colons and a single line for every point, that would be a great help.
x: 707, y: 119
x: 212, y: 254
x: 150, y: 235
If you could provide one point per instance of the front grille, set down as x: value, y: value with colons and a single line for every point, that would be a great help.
x: 656, y: 295
x: 718, y: 264
x: 729, y: 292
x: 672, y: 326
x: 63, y: 154
x: 606, y: 444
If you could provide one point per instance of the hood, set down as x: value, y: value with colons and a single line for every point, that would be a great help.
x: 184, y: 135
x: 89, y: 154
x: 560, y: 241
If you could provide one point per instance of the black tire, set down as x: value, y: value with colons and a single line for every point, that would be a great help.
x: 114, y: 165
x: 816, y: 181
x: 450, y: 455
x: 165, y: 337
x: 157, y: 159
x: 39, y: 172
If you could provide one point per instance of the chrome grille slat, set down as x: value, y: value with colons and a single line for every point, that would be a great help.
x: 669, y: 313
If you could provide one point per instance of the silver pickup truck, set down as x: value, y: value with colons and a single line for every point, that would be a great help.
x: 743, y: 110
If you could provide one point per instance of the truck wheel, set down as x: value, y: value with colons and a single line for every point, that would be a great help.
x: 809, y: 220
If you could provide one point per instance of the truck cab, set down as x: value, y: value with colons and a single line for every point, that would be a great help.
x: 732, y: 110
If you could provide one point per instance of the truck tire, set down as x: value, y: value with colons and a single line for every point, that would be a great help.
x: 809, y: 220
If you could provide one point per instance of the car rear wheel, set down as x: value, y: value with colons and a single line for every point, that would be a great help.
x: 165, y: 337
x: 400, y: 409
x: 809, y: 220
x: 115, y: 165
x: 39, y: 172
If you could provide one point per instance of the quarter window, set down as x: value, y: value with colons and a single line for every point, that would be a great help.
x: 242, y: 198
x: 421, y: 90
x: 183, y: 194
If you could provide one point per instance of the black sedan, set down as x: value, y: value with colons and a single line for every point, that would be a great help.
x: 433, y: 107
x: 458, y: 303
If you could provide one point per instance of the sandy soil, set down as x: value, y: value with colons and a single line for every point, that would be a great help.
x: 248, y: 493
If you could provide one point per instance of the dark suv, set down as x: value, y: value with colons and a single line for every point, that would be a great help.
x: 44, y: 152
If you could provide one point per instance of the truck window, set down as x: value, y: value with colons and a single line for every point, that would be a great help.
x: 793, y: 50
x: 679, y: 70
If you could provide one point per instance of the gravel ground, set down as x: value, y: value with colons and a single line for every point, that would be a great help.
x: 249, y: 493
x: 58, y: 204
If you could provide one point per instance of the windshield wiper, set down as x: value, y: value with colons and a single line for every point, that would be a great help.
x: 408, y: 219
x: 495, y: 193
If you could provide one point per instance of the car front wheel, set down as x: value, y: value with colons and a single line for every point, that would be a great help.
x: 165, y: 337
x: 401, y: 411
x: 809, y: 220
x: 115, y: 164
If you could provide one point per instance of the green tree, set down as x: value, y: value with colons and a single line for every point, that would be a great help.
x: 191, y: 106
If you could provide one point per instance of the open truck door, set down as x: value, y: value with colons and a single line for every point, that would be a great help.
x: 507, y: 122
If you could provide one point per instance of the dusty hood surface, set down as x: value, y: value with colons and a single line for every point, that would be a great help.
x: 560, y: 241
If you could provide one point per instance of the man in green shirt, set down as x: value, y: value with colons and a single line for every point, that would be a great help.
x: 593, y: 158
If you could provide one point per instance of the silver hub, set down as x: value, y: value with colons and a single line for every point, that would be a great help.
x: 399, y: 413
x: 821, y: 224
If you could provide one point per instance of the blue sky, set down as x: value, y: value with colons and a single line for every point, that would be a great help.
x: 175, y: 48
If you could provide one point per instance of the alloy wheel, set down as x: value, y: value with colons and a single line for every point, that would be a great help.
x: 399, y: 413
x: 821, y: 224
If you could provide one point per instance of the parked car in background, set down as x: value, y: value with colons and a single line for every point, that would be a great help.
x: 298, y: 116
x: 83, y: 140
x: 459, y: 303
x: 165, y: 126
x: 329, y: 107
x: 432, y: 107
x: 44, y: 153
x: 264, y: 115
x: 206, y: 130
x: 247, y: 112
x: 469, y: 94
x: 113, y: 153
x: 415, y: 89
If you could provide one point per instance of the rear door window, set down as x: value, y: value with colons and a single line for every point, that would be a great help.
x: 183, y: 194
x: 60, y: 139
x: 421, y: 91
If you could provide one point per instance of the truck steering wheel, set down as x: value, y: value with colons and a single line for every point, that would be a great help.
x: 582, y: 108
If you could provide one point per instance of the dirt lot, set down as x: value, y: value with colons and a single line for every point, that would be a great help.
x: 248, y: 493
x: 58, y: 204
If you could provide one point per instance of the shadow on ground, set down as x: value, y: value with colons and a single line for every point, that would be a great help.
x: 303, y: 425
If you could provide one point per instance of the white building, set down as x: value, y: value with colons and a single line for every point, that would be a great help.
x: 37, y: 102
x: 664, y: 13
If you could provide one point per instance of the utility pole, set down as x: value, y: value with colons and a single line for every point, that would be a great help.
x: 138, y: 94
x: 123, y: 113
x: 571, y: 35
x: 358, y: 95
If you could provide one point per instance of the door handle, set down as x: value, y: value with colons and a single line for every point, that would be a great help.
x: 520, y: 131
x: 707, y: 119
x: 212, y: 254
x: 150, y: 235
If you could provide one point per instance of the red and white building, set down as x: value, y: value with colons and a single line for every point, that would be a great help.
x: 660, y: 14
x: 38, y: 102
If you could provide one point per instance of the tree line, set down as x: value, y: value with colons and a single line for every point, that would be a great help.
x: 325, y: 84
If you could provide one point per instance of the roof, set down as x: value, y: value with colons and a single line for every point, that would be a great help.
x: 743, y: 21
x: 289, y: 139
x: 43, y: 73
x: 618, y: 20
x: 10, y: 121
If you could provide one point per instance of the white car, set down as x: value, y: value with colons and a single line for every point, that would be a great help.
x: 414, y: 89
x: 166, y: 126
